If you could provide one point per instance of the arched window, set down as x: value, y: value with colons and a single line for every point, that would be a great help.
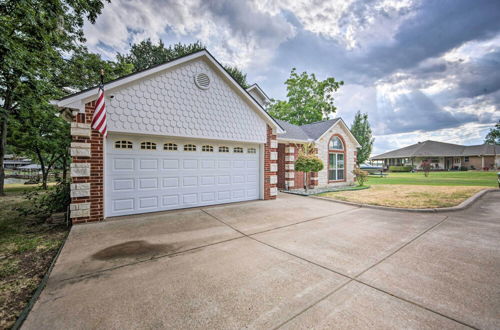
x: 123, y: 144
x: 335, y: 144
x: 336, y: 159
x: 223, y: 149
x: 207, y: 148
x: 251, y: 150
x: 170, y: 146
x: 148, y: 145
x: 238, y: 150
x: 189, y: 147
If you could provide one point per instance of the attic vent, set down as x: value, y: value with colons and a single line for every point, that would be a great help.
x: 202, y: 80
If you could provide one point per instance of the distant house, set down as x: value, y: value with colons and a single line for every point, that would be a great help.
x: 13, y: 162
x: 444, y: 156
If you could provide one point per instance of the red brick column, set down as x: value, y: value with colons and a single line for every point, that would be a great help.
x: 291, y: 177
x: 87, y: 169
x: 270, y: 165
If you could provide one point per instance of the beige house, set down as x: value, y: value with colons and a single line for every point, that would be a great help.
x: 443, y: 156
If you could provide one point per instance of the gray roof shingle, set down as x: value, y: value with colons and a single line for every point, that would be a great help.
x: 305, y: 132
x: 439, y: 149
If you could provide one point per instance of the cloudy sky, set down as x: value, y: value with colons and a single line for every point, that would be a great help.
x: 420, y: 69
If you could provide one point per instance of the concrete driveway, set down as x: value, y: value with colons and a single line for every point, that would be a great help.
x: 295, y: 262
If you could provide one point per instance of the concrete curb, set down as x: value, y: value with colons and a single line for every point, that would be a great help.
x: 460, y: 207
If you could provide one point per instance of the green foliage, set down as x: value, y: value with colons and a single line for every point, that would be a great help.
x: 146, y: 54
x: 493, y: 136
x: 82, y: 70
x: 406, y: 168
x: 238, y: 75
x: 360, y: 176
x: 308, y: 163
x: 43, y: 204
x: 309, y: 99
x: 34, y: 34
x: 362, y: 131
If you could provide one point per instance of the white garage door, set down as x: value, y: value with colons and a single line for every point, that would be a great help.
x: 149, y: 175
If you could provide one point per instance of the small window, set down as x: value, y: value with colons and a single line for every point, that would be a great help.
x: 252, y: 150
x: 466, y: 159
x: 123, y: 145
x: 148, y: 145
x: 189, y: 147
x: 336, y: 144
x: 238, y: 150
x: 170, y: 146
x: 223, y: 149
x: 207, y: 148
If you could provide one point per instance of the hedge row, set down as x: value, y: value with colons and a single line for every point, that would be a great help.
x: 407, y: 168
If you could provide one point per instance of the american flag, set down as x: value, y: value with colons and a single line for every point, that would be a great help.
x: 99, y: 117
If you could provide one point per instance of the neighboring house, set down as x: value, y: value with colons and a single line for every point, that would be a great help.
x: 14, y: 162
x: 443, y: 156
x: 183, y: 134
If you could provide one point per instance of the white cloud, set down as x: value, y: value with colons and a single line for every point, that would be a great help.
x: 244, y: 37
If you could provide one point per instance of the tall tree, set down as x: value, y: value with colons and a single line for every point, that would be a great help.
x: 146, y: 54
x: 361, y: 129
x: 34, y: 34
x: 309, y: 99
x: 493, y: 136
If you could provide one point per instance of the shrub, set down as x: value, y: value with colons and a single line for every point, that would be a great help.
x: 407, y: 168
x: 308, y: 163
x: 44, y: 203
x: 360, y: 176
x: 463, y: 168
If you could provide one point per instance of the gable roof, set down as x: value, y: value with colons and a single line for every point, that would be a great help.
x: 431, y: 148
x: 310, y: 132
x: 78, y: 100
x: 259, y: 91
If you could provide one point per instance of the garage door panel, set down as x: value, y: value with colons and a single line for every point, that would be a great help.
x: 140, y: 181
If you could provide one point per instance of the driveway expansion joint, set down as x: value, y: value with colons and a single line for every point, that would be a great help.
x: 350, y: 278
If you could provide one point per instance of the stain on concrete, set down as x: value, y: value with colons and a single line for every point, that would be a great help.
x: 133, y: 249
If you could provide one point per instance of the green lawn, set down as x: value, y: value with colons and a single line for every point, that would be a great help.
x: 467, y: 178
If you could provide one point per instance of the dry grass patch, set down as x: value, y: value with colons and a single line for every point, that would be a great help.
x: 408, y: 196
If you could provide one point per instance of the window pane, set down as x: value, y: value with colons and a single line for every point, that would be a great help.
x: 340, y: 174
x: 331, y: 175
x: 333, y: 161
x: 340, y: 160
x: 336, y: 143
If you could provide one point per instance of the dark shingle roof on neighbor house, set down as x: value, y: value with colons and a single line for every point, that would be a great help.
x: 305, y: 132
x: 439, y: 149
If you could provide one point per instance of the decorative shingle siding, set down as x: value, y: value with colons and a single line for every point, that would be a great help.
x: 87, y: 170
x: 171, y: 104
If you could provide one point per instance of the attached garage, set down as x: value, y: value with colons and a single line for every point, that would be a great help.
x: 150, y: 174
x: 182, y: 134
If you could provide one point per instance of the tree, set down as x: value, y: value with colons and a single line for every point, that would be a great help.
x: 426, y: 166
x: 308, y: 162
x: 34, y: 34
x: 363, y: 133
x: 309, y: 99
x: 360, y: 176
x: 493, y: 136
x: 37, y: 129
x: 145, y: 54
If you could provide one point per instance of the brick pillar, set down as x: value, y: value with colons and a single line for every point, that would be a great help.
x: 290, y: 151
x: 314, y: 175
x: 87, y: 161
x: 270, y: 165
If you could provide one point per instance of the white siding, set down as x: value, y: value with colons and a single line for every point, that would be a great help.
x: 170, y: 103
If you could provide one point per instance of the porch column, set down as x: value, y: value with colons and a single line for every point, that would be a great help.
x: 290, y: 166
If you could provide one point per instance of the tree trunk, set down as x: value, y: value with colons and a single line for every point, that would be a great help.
x: 3, y: 138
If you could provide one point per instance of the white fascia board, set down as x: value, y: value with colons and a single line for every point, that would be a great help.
x: 294, y: 140
x: 260, y: 91
x: 346, y: 129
